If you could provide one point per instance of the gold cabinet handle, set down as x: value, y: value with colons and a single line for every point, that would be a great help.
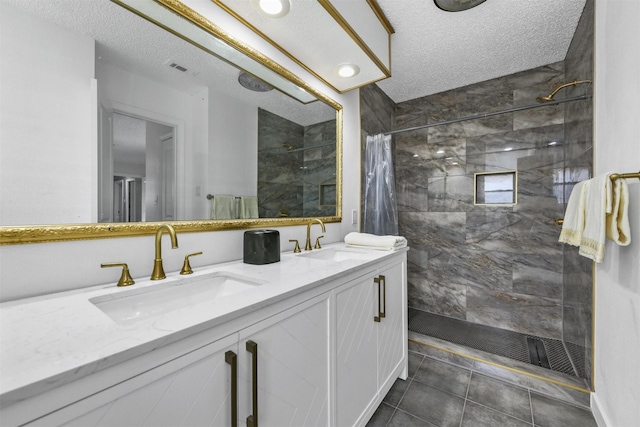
x: 186, y: 267
x: 297, y: 248
x: 317, y: 246
x: 383, y: 281
x: 252, y: 347
x: 377, y: 318
x: 125, y: 277
x: 232, y: 359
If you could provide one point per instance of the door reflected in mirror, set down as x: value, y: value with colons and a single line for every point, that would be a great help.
x: 63, y: 106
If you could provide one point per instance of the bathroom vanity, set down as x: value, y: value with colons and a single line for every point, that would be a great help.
x: 316, y: 339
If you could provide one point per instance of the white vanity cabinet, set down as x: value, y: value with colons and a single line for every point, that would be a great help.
x: 324, y: 353
x: 371, y: 341
x: 197, y: 389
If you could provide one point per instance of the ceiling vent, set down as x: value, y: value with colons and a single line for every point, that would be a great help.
x: 173, y: 64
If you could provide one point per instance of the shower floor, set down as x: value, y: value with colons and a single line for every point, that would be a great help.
x: 497, y: 341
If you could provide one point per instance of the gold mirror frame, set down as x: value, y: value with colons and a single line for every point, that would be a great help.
x: 15, y: 235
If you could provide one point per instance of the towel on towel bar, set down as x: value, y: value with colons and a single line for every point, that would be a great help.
x: 365, y: 240
x: 597, y: 209
x: 248, y: 207
x: 223, y: 207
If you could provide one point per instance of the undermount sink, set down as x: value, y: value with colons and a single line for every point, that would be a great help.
x: 154, y: 300
x: 336, y: 255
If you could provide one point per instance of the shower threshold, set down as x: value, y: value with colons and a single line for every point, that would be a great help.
x: 545, y: 352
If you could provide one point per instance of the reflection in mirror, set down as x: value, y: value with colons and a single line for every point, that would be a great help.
x: 64, y: 164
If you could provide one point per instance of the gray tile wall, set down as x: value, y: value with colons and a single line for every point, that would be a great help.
x: 495, y: 265
x: 293, y: 162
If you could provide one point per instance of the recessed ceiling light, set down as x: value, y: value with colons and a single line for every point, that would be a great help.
x: 347, y: 70
x: 272, y: 8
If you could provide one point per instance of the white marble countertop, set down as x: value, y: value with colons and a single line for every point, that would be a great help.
x: 58, y: 338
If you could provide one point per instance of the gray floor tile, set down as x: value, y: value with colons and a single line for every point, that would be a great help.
x: 548, y: 412
x: 415, y: 360
x: 480, y: 416
x: 382, y: 416
x: 443, y: 376
x: 500, y: 396
x: 432, y: 405
x: 397, y: 391
x: 403, y: 419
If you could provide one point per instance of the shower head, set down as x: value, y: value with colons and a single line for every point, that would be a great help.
x: 549, y: 97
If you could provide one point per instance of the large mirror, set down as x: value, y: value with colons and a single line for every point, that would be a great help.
x: 111, y: 123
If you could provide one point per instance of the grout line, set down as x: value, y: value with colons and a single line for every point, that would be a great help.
x: 533, y: 421
x: 466, y: 397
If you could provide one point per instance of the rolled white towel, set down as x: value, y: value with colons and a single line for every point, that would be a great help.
x: 365, y: 240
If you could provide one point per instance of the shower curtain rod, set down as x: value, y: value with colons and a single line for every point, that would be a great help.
x: 496, y: 113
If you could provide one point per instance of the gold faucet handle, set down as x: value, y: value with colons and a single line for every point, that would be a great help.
x: 317, y: 245
x: 186, y: 267
x: 125, y: 277
x: 297, y: 248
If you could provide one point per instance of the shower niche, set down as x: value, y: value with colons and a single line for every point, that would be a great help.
x: 495, y: 188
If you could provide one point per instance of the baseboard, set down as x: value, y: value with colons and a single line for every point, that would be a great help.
x: 598, y: 414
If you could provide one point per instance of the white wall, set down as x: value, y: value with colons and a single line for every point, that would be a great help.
x: 233, y: 137
x: 34, y: 269
x: 616, y: 401
x: 46, y: 122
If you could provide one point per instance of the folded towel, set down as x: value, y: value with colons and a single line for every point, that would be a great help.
x: 573, y: 224
x: 248, y: 207
x: 618, y: 229
x: 223, y: 207
x: 597, y: 209
x: 365, y: 240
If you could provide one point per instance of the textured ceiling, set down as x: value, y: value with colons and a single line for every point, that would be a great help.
x: 433, y: 50
x: 131, y: 43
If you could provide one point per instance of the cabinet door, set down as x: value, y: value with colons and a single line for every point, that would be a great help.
x: 292, y: 350
x: 356, y: 364
x: 392, y: 335
x: 192, y: 390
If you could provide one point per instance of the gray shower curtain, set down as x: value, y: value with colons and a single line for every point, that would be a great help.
x: 380, y: 207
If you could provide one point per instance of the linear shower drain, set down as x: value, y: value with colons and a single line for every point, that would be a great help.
x: 501, y: 342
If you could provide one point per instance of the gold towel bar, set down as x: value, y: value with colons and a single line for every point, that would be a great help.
x: 615, y: 176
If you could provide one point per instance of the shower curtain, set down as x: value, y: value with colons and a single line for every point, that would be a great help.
x: 380, y: 207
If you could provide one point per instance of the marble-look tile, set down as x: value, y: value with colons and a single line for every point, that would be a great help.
x: 446, y: 299
x: 451, y: 193
x: 538, y: 274
x: 550, y: 76
x: 412, y: 188
x: 500, y: 373
x: 437, y: 229
x: 498, y: 395
x: 550, y: 413
x: 418, y: 256
x: 515, y: 312
x: 481, y: 416
x: 377, y: 110
x: 478, y: 268
x: 433, y: 405
x: 444, y: 376
x: 436, y: 353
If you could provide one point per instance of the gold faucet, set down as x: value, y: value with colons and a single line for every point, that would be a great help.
x: 158, y: 270
x: 308, y: 247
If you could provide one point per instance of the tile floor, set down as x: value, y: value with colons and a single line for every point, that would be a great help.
x: 441, y: 394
